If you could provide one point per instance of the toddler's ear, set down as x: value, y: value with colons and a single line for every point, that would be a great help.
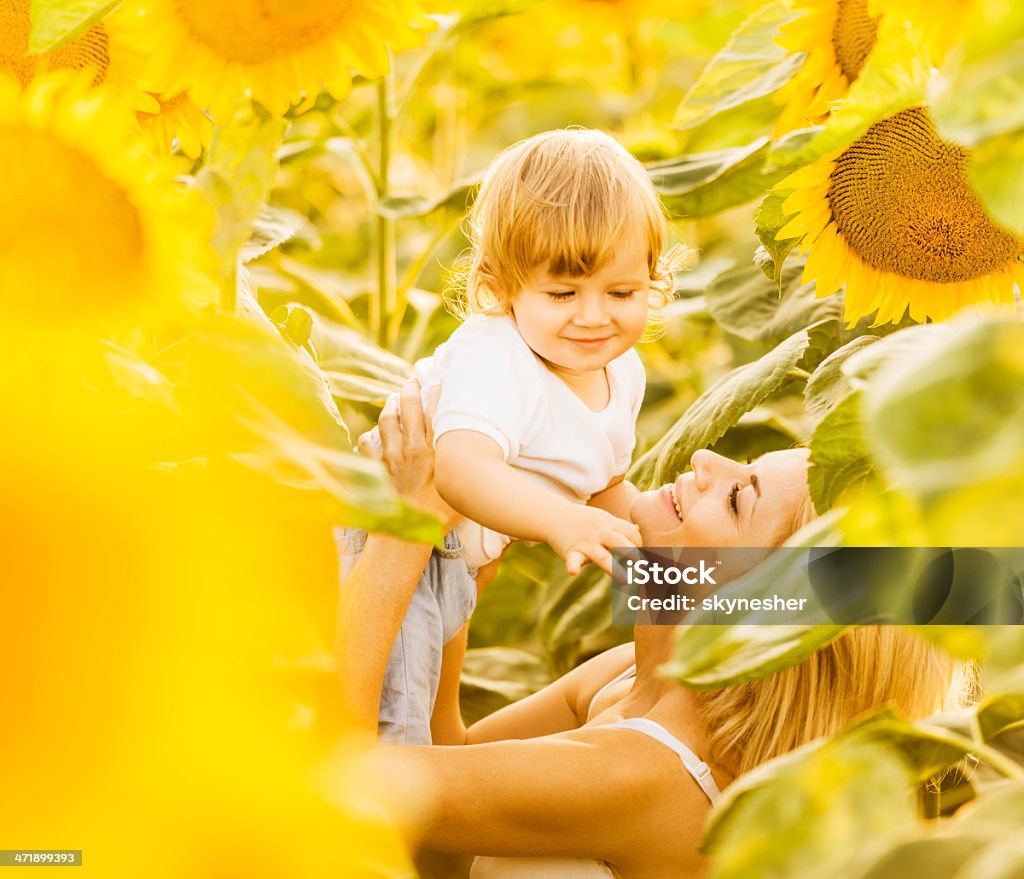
x: 489, y: 279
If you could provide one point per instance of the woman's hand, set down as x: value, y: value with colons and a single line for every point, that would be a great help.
x: 407, y: 449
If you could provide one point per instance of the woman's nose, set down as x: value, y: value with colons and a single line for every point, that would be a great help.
x: 707, y: 466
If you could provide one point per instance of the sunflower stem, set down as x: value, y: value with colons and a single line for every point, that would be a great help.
x: 385, y: 303
x: 229, y: 289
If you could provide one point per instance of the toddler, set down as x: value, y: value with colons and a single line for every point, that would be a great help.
x: 540, y: 387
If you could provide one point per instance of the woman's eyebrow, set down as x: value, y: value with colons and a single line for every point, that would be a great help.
x: 755, y: 483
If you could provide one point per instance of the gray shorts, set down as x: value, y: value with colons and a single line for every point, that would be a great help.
x: 441, y: 605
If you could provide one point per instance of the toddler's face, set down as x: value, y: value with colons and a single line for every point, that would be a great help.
x: 581, y: 324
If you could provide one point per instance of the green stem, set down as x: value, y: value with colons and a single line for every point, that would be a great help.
x: 229, y: 289
x: 798, y: 374
x: 384, y: 304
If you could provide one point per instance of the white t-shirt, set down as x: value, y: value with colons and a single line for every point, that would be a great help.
x: 491, y: 382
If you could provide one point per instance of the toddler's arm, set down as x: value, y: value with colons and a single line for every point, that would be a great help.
x: 474, y: 478
x: 616, y: 497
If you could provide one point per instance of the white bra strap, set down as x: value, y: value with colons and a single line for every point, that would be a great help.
x: 629, y: 671
x: 694, y: 765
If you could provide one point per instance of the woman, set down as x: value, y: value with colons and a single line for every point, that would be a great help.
x: 611, y: 770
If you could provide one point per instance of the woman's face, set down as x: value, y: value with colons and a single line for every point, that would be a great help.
x: 723, y: 503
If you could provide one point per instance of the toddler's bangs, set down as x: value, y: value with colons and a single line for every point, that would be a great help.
x: 567, y: 200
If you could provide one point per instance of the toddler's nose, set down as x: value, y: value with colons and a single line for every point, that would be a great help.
x: 592, y: 311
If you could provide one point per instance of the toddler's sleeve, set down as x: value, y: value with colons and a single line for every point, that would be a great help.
x: 492, y: 386
x: 637, y: 384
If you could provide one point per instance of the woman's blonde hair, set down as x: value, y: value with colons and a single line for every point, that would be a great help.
x: 565, y: 199
x: 865, y: 668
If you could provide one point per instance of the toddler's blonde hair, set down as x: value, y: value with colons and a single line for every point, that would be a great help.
x: 565, y: 199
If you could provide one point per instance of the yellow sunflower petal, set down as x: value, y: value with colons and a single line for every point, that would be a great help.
x: 129, y: 239
x: 279, y: 52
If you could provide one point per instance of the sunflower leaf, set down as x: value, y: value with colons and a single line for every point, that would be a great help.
x: 707, y: 656
x: 750, y: 68
x: 56, y: 23
x: 839, y: 456
x: 718, y: 409
x: 827, y: 386
x: 701, y: 184
x: 953, y: 415
x: 770, y: 821
x: 236, y: 178
x: 769, y: 220
x: 746, y: 303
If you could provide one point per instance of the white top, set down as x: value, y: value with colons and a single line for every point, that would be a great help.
x: 493, y: 383
x: 580, y: 868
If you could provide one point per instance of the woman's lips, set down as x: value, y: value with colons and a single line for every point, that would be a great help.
x: 668, y: 493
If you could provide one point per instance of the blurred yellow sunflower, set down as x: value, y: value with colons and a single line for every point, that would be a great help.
x: 176, y: 122
x: 112, y: 61
x: 937, y: 25
x: 838, y: 36
x: 94, y: 231
x: 894, y: 218
x: 279, y: 52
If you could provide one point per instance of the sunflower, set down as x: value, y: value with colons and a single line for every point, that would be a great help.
x: 938, y: 25
x: 838, y: 36
x: 111, y: 61
x: 279, y: 52
x: 177, y: 121
x: 893, y: 217
x: 94, y: 231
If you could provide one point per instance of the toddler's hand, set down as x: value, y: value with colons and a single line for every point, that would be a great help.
x: 587, y: 534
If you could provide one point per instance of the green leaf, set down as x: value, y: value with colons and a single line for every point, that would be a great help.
x: 827, y: 386
x: 707, y: 657
x: 951, y: 416
x: 237, y: 176
x: 749, y: 305
x: 750, y: 68
x: 840, y: 459
x: 769, y: 220
x: 807, y: 814
x: 999, y: 713
x: 996, y: 173
x: 342, y: 350
x: 275, y: 226
x: 56, y: 23
x: 718, y: 409
x: 905, y: 345
x: 408, y: 206
x: 936, y: 858
x: 894, y: 77
x: 493, y: 677
x: 360, y: 388
x: 575, y: 608
x: 925, y: 748
x: 702, y: 184
x: 254, y: 399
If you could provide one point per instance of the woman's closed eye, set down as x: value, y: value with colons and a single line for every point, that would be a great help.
x: 734, y: 495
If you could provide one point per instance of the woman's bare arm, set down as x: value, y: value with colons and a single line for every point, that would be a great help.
x: 594, y: 793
